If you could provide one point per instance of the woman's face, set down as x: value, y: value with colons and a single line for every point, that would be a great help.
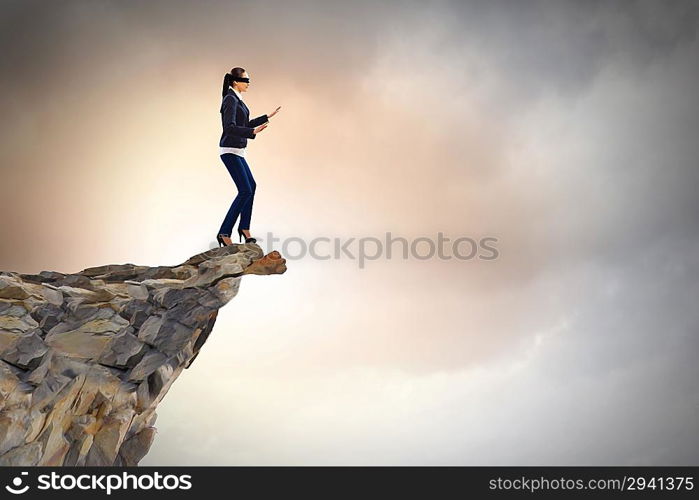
x: 242, y: 86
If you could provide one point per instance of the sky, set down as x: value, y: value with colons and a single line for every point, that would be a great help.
x: 566, y: 131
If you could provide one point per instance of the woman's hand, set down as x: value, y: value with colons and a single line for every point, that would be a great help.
x: 275, y: 112
x: 257, y: 130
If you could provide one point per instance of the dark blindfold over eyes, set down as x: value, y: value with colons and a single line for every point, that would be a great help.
x: 241, y: 79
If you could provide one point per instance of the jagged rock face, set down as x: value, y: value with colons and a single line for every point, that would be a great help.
x: 85, y: 358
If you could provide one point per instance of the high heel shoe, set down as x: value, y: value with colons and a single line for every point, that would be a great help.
x: 247, y: 240
x: 222, y: 243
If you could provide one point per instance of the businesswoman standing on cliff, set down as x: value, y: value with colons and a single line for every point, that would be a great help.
x: 237, y: 129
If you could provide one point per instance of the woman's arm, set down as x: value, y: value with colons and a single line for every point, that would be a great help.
x: 258, y: 121
x: 229, y: 125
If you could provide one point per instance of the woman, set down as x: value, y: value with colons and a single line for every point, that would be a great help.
x: 237, y: 129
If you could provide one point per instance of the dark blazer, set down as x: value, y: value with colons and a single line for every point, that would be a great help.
x: 235, y: 118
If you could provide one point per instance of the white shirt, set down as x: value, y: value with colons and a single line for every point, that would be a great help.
x: 237, y: 151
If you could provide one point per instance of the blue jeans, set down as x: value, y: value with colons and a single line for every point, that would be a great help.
x: 242, y: 204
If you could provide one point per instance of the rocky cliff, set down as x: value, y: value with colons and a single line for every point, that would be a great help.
x: 85, y: 358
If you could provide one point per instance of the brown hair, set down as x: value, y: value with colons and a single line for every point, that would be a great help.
x: 228, y: 79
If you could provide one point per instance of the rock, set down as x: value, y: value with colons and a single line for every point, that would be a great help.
x: 27, y: 454
x: 133, y: 449
x: 85, y: 358
x: 272, y: 263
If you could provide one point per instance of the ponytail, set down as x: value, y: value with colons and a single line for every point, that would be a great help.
x: 227, y: 79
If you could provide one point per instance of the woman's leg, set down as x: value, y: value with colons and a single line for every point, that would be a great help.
x: 239, y: 173
x: 246, y: 210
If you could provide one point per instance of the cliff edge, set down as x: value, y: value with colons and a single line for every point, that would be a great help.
x: 85, y: 358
